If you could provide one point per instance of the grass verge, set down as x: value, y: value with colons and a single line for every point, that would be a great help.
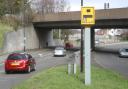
x: 57, y: 78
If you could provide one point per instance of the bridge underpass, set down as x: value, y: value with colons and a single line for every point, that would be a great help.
x: 110, y: 40
x: 108, y: 18
x: 45, y: 36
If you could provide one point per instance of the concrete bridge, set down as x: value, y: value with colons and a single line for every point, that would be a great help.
x: 41, y: 35
x: 105, y: 18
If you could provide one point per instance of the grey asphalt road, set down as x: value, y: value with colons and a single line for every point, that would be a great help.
x: 114, y: 47
x: 44, y: 60
x: 112, y: 62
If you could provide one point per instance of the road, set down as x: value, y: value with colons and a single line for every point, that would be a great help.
x: 109, y: 58
x: 112, y: 62
x: 44, y: 60
x: 114, y: 47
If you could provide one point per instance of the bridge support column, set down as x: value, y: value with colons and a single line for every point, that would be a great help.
x: 50, y: 38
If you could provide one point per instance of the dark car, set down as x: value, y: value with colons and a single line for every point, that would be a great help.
x: 20, y: 62
x: 68, y: 45
x: 123, y: 52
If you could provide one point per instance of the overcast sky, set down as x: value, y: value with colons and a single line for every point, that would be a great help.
x: 98, y: 4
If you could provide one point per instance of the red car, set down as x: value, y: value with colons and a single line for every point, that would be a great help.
x: 68, y: 45
x: 20, y: 62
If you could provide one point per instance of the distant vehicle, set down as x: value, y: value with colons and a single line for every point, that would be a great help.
x: 97, y: 42
x: 123, y: 52
x: 59, y: 51
x: 20, y: 62
x: 68, y: 45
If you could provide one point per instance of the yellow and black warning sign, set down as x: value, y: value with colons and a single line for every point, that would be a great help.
x: 87, y: 16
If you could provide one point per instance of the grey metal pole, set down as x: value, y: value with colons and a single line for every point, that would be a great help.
x: 87, y: 58
x: 82, y: 42
x: 24, y: 25
x: 81, y: 2
x: 24, y: 40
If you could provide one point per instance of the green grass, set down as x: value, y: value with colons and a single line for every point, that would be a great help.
x: 3, y: 29
x: 57, y: 78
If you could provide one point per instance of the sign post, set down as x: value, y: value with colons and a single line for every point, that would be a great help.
x: 81, y: 50
x: 87, y: 20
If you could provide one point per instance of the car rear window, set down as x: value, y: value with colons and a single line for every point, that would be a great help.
x: 126, y: 50
x: 59, y: 48
x: 16, y: 57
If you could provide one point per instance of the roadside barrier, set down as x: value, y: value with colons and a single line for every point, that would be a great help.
x: 72, y: 62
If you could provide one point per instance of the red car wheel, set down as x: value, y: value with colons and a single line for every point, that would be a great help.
x: 7, y: 72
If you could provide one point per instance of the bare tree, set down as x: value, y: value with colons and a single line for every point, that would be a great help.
x: 50, y: 6
x: 62, y: 5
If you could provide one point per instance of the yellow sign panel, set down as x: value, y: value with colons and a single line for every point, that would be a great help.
x: 87, y: 16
